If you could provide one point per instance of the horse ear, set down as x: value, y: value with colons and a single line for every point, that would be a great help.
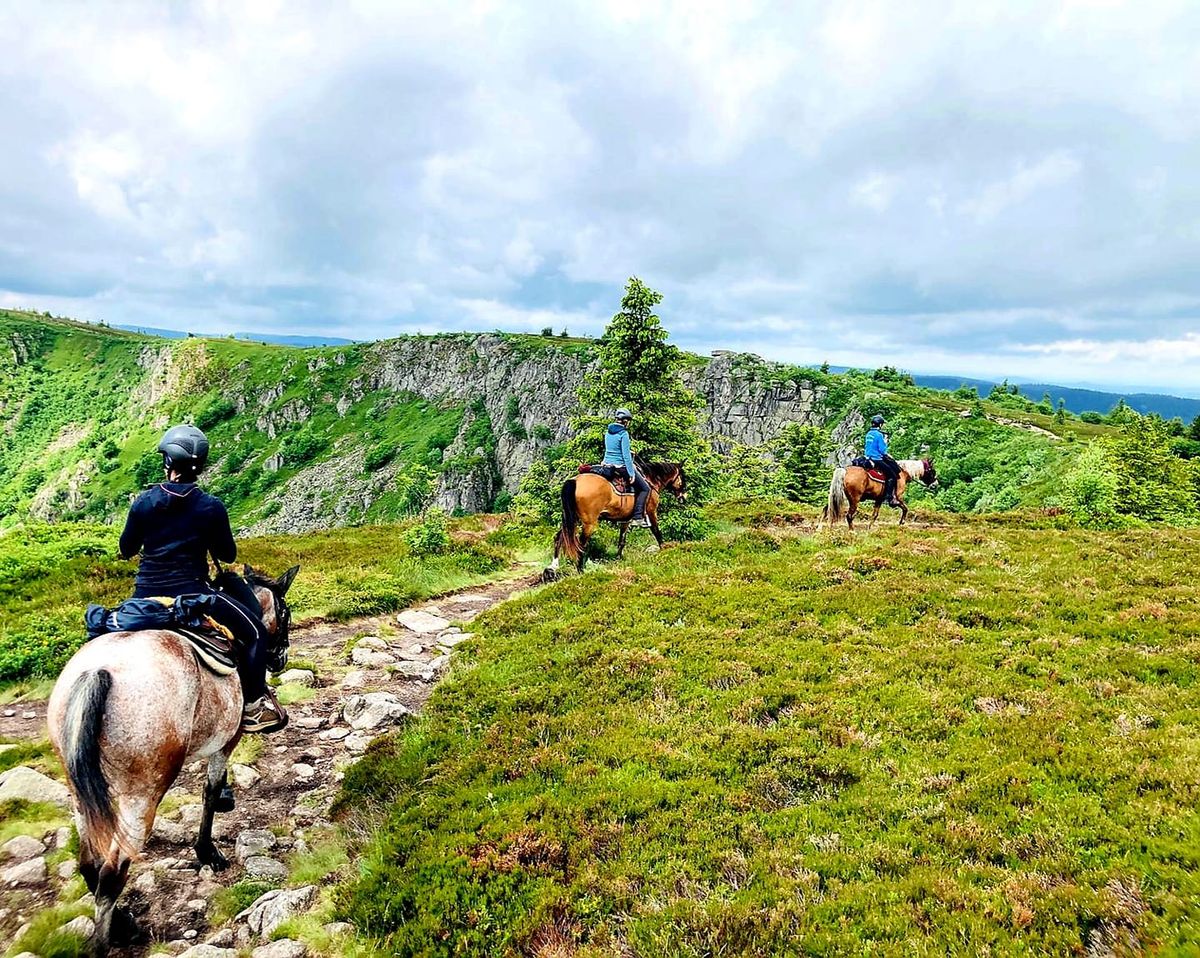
x: 284, y: 582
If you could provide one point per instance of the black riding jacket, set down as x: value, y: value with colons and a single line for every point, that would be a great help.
x: 176, y: 525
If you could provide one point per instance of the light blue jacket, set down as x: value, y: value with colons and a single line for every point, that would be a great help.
x: 876, y: 446
x: 616, y: 448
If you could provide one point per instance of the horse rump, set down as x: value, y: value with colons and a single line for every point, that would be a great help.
x: 566, y: 540
x: 83, y: 724
x: 838, y: 504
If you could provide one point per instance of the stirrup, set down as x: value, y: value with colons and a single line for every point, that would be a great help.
x: 642, y: 522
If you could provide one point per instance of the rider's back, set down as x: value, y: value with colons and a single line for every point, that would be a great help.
x: 176, y: 525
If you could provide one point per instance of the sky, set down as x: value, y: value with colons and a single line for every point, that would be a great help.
x: 990, y: 189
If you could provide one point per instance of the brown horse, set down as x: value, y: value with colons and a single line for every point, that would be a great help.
x: 128, y: 712
x: 588, y: 498
x: 853, y: 484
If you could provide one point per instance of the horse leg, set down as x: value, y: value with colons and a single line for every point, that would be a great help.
x: 875, y: 514
x: 851, y: 513
x: 652, y: 515
x: 206, y: 851
x: 621, y: 541
x: 903, y: 512
x: 136, y: 819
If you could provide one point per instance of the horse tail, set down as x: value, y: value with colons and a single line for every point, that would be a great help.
x: 839, y: 505
x: 566, y: 540
x: 82, y: 725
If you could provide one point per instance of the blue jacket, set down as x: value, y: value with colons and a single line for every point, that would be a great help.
x: 876, y: 446
x: 175, y: 525
x: 616, y: 448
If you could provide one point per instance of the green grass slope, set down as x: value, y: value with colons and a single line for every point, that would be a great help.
x: 974, y: 739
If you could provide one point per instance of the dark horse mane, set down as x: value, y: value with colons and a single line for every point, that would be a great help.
x: 660, y: 472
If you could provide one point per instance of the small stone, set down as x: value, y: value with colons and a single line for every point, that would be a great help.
x: 244, y: 776
x: 29, y: 715
x: 66, y: 869
x: 22, y: 848
x: 334, y: 734
x: 266, y: 869
x: 191, y: 934
x: 310, y: 722
x: 62, y: 837
x: 9, y: 713
x: 354, y: 679
x: 303, y: 772
x: 24, y: 954
x: 358, y: 743
x: 83, y: 926
x: 208, y: 951
x: 177, y: 947
x: 222, y: 939
x: 371, y: 642
x: 252, y: 842
x: 411, y: 670
x: 281, y: 948
x: 335, y: 929
x: 450, y: 641
x: 170, y: 832
x: 371, y: 659
x: 207, y: 874
x: 197, y: 905
x: 373, y: 710
x: 298, y: 677
x: 415, y: 649
x: 453, y: 630
x: 145, y: 883
x: 190, y: 815
x: 436, y: 665
x: 32, y: 786
x: 281, y: 749
x: 271, y: 910
x: 32, y: 872
x: 421, y: 622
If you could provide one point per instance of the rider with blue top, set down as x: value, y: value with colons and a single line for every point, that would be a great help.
x: 876, y: 450
x: 617, y: 453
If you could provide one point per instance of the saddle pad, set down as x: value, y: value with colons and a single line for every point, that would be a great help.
x: 214, y: 652
x: 877, y: 475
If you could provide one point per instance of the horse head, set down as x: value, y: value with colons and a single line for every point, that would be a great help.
x: 276, y: 613
x: 678, y: 483
x: 928, y: 473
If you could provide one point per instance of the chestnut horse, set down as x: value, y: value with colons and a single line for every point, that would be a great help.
x: 852, y: 484
x: 588, y: 498
x: 128, y: 712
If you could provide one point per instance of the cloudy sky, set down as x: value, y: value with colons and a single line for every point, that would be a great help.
x: 978, y: 188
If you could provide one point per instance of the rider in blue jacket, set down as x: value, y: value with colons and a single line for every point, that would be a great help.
x: 876, y: 450
x: 617, y: 453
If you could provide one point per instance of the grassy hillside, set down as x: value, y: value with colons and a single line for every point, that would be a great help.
x: 981, y: 738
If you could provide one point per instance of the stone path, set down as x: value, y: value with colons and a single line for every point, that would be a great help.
x: 356, y: 681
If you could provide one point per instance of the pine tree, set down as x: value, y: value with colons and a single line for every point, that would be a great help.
x: 800, y: 451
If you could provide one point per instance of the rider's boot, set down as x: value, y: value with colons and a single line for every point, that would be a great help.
x: 263, y: 716
x: 639, y: 510
x: 889, y: 494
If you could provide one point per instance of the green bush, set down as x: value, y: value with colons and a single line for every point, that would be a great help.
x: 215, y: 412
x: 430, y: 536
x: 148, y: 469
x: 302, y: 448
x: 1090, y: 490
x: 379, y: 456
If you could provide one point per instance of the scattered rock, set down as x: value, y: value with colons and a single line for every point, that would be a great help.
x: 208, y: 951
x: 66, y: 869
x: 191, y: 934
x: 244, y: 776
x: 373, y: 710
x: 298, y: 677
x: 145, y: 883
x: 303, y: 771
x: 252, y: 842
x: 275, y: 907
x: 265, y: 869
x: 439, y: 663
x: 411, y: 670
x: 25, y: 954
x: 83, y: 926
x: 421, y: 622
x: 334, y: 734
x: 371, y: 658
x: 371, y: 642
x: 32, y: 786
x: 282, y: 948
x: 336, y: 928
x: 197, y: 905
x: 62, y: 837
x: 190, y: 815
x: 354, y: 679
x: 358, y: 743
x: 450, y: 641
x: 9, y: 713
x: 32, y: 872
x: 171, y: 832
x: 22, y: 847
x: 222, y: 939
x: 310, y: 722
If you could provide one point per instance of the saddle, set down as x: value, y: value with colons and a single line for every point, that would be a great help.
x: 865, y: 465
x: 211, y: 642
x: 615, y: 475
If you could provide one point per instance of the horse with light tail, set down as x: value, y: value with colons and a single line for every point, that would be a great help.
x: 852, y: 484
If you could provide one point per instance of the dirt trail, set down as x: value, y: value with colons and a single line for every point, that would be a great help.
x: 284, y: 793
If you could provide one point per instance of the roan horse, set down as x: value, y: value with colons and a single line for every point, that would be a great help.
x: 128, y: 712
x: 588, y: 498
x: 852, y: 484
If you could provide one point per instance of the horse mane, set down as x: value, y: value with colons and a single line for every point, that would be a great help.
x: 658, y: 471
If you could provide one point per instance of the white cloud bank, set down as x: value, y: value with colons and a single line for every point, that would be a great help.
x: 990, y: 188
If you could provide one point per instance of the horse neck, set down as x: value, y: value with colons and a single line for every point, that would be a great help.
x: 915, y: 468
x: 266, y: 601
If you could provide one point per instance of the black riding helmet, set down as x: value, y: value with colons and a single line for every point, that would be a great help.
x: 184, y: 448
x: 877, y: 420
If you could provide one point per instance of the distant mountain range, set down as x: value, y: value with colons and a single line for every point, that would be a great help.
x: 276, y: 338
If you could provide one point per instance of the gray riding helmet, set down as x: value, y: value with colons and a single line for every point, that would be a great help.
x: 184, y: 445
x: 622, y: 414
x: 877, y: 420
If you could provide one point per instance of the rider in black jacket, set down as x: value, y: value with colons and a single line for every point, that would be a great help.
x: 176, y: 525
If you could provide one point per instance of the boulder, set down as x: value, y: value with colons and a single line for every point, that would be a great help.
x: 253, y: 841
x: 32, y: 786
x: 282, y: 948
x: 83, y: 926
x: 354, y: 679
x: 244, y: 776
x: 421, y: 622
x: 303, y: 771
x: 373, y: 710
x: 298, y: 677
x: 265, y: 869
x: 370, y: 658
x: 275, y: 907
x: 32, y: 872
x: 173, y: 833
x: 22, y: 848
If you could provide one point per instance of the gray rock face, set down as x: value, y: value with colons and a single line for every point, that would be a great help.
x: 32, y: 786
x: 373, y: 710
x: 275, y: 907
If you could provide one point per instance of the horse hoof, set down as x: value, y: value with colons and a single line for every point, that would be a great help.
x: 212, y: 858
x: 124, y: 930
x: 550, y: 575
